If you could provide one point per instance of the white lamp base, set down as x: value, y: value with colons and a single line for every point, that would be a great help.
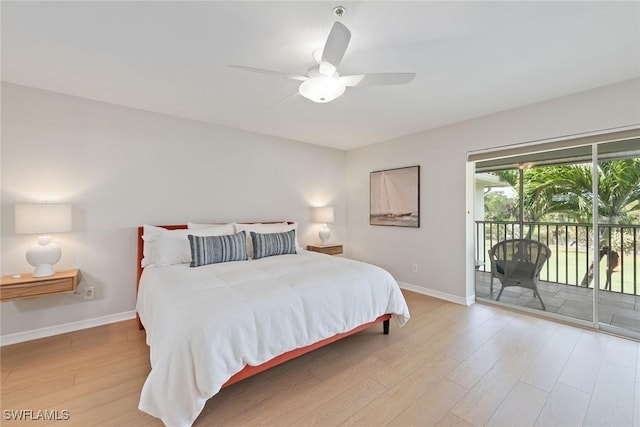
x: 43, y: 270
x: 43, y: 256
x: 324, y: 235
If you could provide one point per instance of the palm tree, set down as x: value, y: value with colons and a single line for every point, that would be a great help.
x: 567, y: 190
x: 562, y: 190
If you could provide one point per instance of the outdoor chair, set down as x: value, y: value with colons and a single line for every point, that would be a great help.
x: 518, y: 262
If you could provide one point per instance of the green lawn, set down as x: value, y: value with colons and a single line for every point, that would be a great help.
x: 561, y: 268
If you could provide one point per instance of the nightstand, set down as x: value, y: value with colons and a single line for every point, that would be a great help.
x: 28, y: 286
x: 326, y: 249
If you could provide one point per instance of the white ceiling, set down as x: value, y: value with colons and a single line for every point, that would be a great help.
x: 471, y: 59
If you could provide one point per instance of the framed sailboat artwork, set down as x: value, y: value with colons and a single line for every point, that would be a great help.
x: 395, y: 197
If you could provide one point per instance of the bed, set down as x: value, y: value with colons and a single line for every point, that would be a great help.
x: 214, y: 325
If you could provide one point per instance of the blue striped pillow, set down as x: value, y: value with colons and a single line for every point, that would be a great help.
x: 214, y: 249
x: 265, y: 245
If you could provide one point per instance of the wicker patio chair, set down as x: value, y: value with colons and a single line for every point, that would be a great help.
x: 517, y: 262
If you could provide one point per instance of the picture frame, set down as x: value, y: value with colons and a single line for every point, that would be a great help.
x: 394, y: 197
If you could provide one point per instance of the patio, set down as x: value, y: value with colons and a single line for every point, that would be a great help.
x: 615, y: 309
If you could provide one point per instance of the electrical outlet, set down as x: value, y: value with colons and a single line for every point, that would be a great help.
x: 414, y: 267
x: 89, y: 292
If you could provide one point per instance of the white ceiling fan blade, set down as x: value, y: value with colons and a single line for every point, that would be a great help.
x: 335, y: 47
x: 294, y: 95
x: 377, y: 79
x: 276, y: 73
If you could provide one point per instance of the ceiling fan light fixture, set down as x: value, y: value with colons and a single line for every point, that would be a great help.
x: 322, y: 89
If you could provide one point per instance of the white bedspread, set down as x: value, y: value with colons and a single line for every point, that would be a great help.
x: 205, y: 324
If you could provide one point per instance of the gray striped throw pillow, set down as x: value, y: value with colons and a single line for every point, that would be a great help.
x: 214, y: 249
x: 273, y: 244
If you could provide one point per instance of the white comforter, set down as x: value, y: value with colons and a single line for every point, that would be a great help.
x: 205, y: 324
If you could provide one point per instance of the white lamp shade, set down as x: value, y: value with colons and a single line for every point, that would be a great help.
x: 323, y: 215
x: 42, y: 218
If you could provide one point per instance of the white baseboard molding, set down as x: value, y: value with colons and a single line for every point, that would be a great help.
x: 438, y: 294
x: 49, y: 331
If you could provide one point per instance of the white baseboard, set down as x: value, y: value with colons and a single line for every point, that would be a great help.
x: 438, y: 294
x: 48, y: 331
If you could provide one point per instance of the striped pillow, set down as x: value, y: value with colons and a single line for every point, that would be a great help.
x: 214, y: 249
x: 273, y: 244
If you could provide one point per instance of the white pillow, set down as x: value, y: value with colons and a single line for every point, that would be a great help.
x: 279, y: 227
x: 168, y: 247
x: 195, y: 225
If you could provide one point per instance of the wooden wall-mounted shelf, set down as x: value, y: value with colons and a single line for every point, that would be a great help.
x: 28, y: 286
x: 328, y: 249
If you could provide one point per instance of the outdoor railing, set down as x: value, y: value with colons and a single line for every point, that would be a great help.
x: 572, y: 251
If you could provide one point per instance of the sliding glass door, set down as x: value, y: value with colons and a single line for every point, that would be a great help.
x: 619, y: 236
x: 538, y: 199
x: 579, y: 206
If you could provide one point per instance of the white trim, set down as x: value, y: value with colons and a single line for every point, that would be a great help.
x: 48, y: 331
x: 470, y: 233
x: 537, y: 142
x: 438, y: 294
x: 595, y: 221
x: 622, y: 332
x: 573, y: 321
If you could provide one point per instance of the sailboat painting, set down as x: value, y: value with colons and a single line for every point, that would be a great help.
x: 395, y: 197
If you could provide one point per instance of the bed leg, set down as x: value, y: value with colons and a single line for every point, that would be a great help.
x: 140, y: 325
x: 385, y: 327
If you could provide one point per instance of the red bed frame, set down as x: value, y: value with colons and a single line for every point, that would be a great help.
x: 248, y: 370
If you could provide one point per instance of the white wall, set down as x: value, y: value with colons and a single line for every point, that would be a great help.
x: 439, y: 246
x: 120, y: 168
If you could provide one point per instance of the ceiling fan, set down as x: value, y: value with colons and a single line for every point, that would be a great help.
x: 322, y: 82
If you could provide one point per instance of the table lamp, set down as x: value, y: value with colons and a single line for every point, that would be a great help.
x: 323, y: 216
x: 43, y: 219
